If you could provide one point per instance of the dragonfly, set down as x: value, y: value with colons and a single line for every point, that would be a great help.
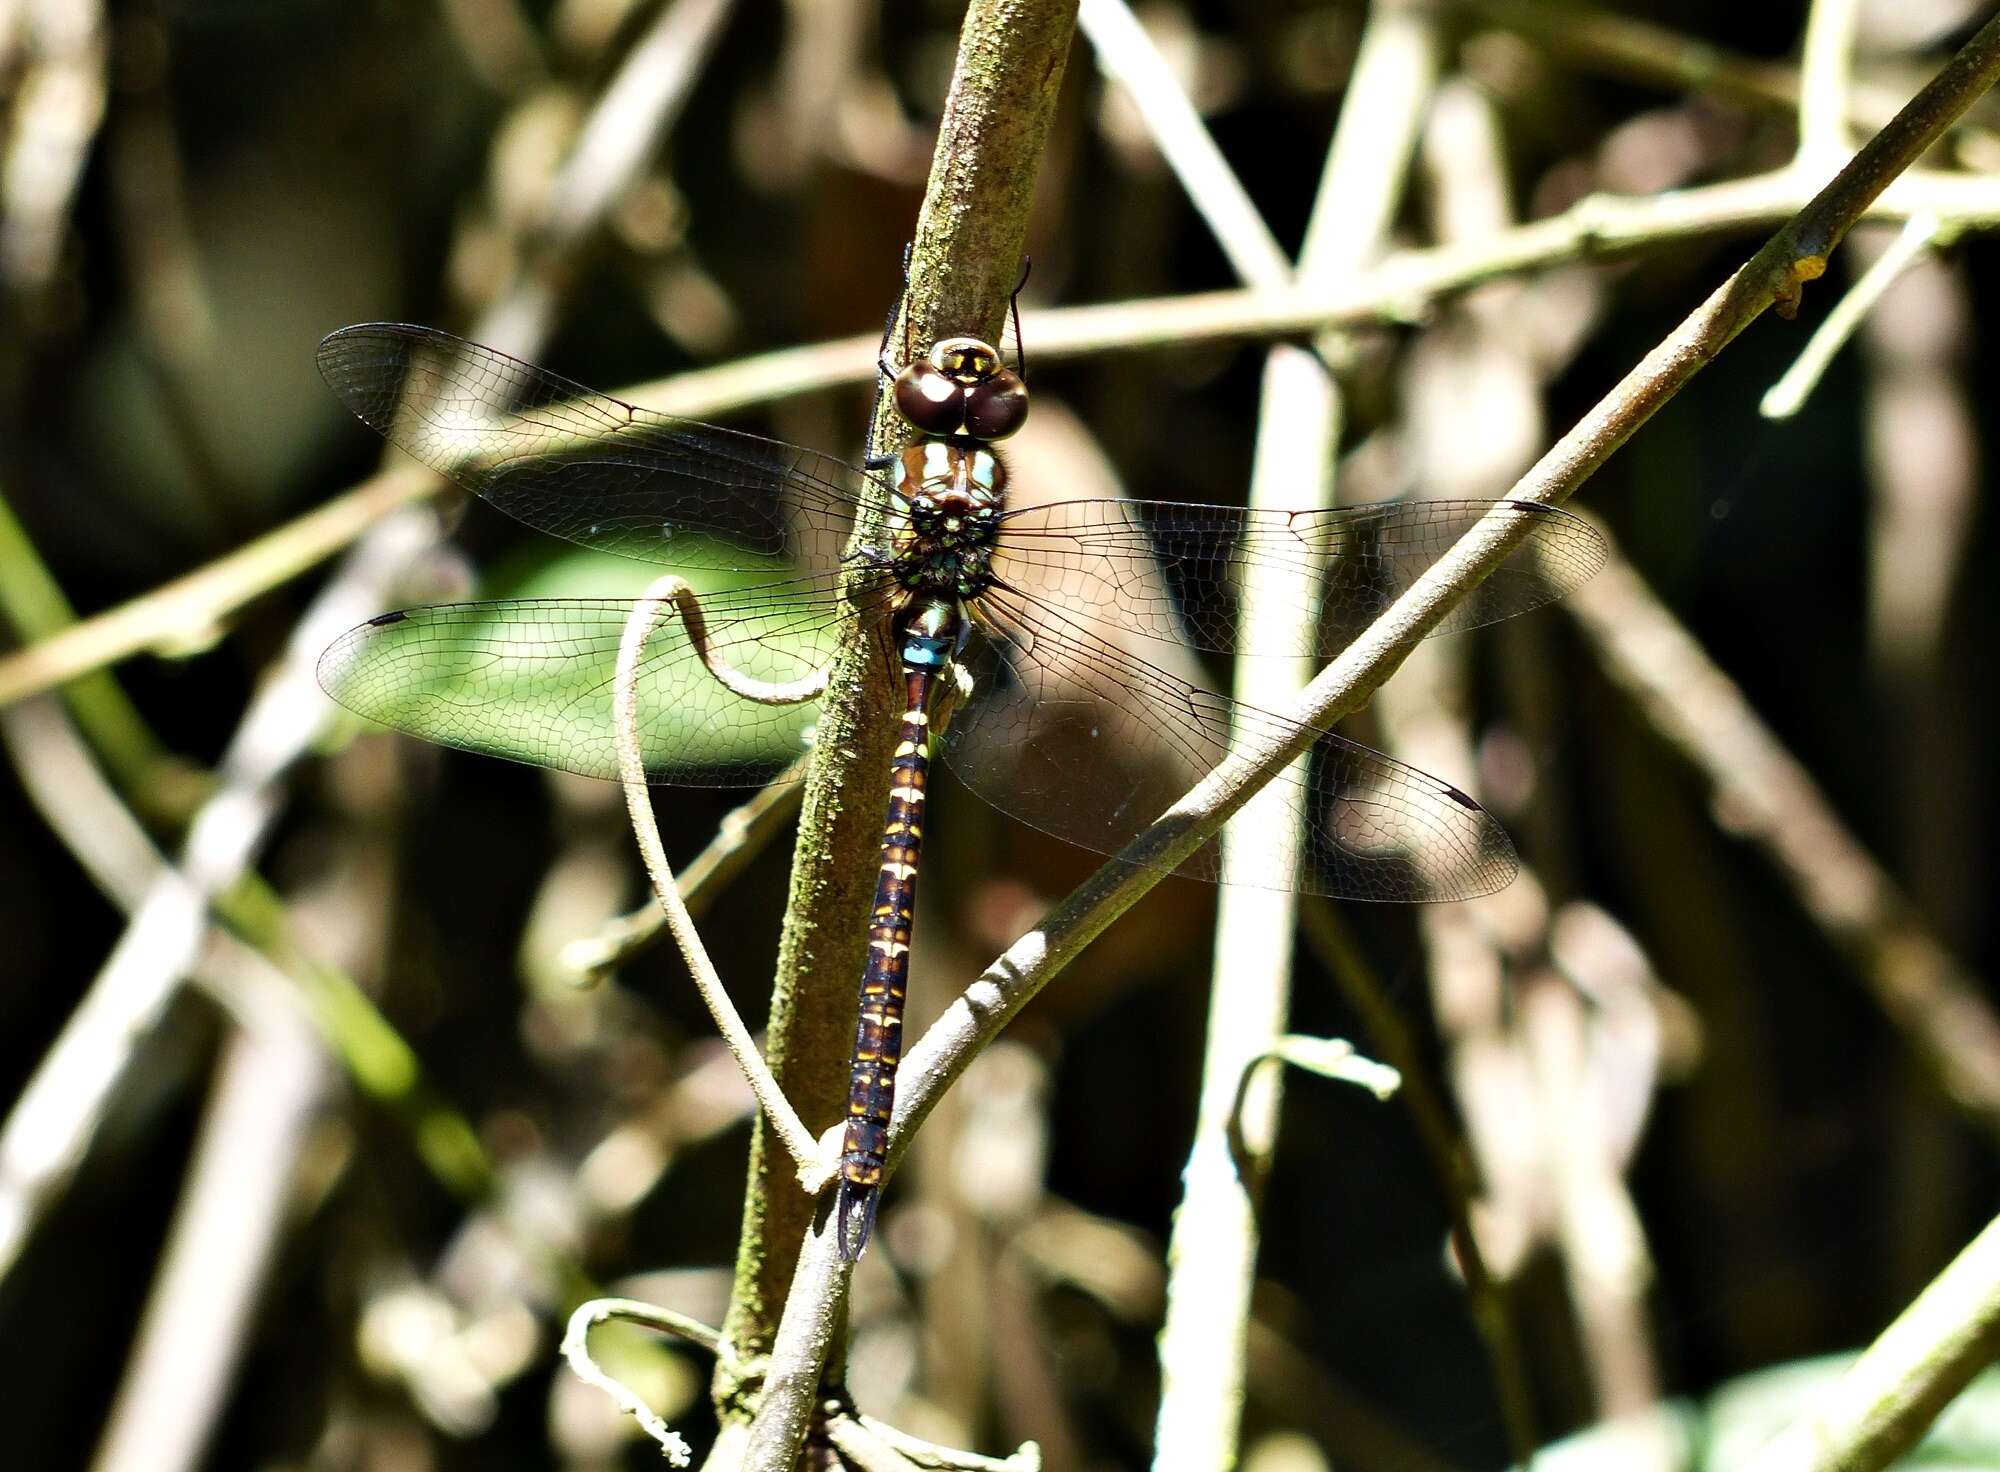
x: 1054, y: 636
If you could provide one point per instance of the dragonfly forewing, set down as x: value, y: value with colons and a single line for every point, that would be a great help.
x: 1172, y: 572
x: 587, y: 467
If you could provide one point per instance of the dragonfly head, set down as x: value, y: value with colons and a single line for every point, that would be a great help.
x: 961, y: 389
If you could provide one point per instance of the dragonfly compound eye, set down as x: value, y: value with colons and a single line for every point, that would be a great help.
x: 996, y: 408
x: 929, y: 398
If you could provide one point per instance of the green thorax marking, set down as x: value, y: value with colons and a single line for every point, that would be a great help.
x: 955, y: 493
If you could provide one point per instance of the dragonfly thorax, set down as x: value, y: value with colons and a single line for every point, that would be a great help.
x: 955, y: 494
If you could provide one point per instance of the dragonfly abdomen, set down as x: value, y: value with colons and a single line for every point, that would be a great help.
x: 878, y: 1033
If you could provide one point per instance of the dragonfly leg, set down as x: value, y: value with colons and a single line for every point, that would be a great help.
x: 1014, y: 310
x: 886, y: 369
x: 687, y: 603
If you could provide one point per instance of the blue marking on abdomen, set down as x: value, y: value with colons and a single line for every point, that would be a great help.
x: 926, y: 653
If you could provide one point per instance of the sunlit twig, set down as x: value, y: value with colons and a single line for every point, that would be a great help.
x: 815, y: 1169
x: 576, y: 1350
x: 1788, y: 395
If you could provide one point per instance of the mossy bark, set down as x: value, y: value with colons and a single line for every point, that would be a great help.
x: 964, y: 263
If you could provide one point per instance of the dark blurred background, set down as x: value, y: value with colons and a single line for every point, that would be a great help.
x: 197, y: 192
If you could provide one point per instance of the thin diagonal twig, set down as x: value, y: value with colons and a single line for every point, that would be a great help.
x: 1882, y: 1406
x: 1127, y: 55
x: 1920, y: 986
x: 739, y: 837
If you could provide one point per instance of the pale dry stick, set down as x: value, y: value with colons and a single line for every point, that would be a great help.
x: 576, y: 1350
x: 54, y: 113
x: 852, y: 1432
x: 1915, y: 241
x: 1764, y: 795
x: 1329, y: 1058
x: 1882, y: 1406
x: 193, y: 1331
x: 69, y: 791
x: 54, y: 1118
x: 925, y: 1454
x: 870, y: 1445
x: 739, y: 837
x: 271, y: 1087
x: 1127, y: 55
x: 1404, y: 285
x: 272, y: 1078
x: 52, y: 1122
x: 1400, y: 289
x: 861, y: 1449
x: 815, y: 1167
x: 1774, y: 274
x: 1567, y: 1049
x: 1825, y: 82
x: 1923, y: 444
x: 1212, y: 1252
x: 1473, y: 410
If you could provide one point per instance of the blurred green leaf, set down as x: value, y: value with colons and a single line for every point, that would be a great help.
x: 531, y: 680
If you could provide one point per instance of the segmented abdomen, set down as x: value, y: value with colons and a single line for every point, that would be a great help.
x: 878, y: 1035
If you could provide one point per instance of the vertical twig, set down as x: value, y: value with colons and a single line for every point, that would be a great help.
x: 51, y: 120
x: 964, y: 263
x: 1824, y: 85
x: 1213, y: 1251
x: 1474, y: 419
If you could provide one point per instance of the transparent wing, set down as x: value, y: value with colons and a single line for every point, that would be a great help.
x: 1173, y: 572
x: 1091, y: 744
x: 531, y: 680
x: 585, y: 466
